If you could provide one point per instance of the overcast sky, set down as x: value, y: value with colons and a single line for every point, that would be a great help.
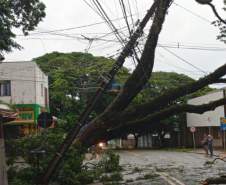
x: 187, y: 24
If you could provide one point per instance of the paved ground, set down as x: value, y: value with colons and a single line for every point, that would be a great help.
x: 149, y: 167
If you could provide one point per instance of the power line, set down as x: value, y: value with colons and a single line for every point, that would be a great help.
x: 70, y: 28
x: 125, y: 15
x: 166, y: 45
x: 136, y: 4
x: 193, y: 13
x: 179, y: 67
x: 182, y: 59
x: 108, y: 21
x: 130, y: 12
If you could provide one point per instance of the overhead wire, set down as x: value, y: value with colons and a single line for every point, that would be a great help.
x: 108, y: 21
x: 125, y: 15
x: 183, y: 60
x: 130, y: 13
x: 70, y: 28
x: 193, y: 13
x: 136, y: 5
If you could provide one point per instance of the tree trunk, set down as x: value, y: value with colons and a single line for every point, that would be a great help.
x: 134, y: 84
x: 218, y: 180
x: 136, y: 137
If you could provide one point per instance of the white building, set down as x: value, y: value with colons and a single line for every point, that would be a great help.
x: 208, y: 122
x: 26, y: 86
x: 23, y: 83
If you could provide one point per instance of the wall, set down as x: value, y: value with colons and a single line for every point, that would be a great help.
x: 210, y: 118
x: 26, y: 79
x: 41, y: 84
x: 21, y: 75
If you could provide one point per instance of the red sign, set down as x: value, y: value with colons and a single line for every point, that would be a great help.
x: 192, y: 129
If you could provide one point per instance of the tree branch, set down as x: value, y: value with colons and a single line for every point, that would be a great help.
x: 216, y: 13
x: 169, y: 96
x: 149, y: 121
x: 221, y: 80
x: 143, y: 71
x: 133, y: 85
x: 218, y: 180
x: 208, y: 2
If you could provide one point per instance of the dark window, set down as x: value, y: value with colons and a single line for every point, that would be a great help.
x: 46, y: 97
x: 5, y: 88
x: 42, y: 90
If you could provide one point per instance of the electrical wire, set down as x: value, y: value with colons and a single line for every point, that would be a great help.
x: 130, y: 13
x: 193, y: 13
x: 182, y: 59
x: 108, y: 21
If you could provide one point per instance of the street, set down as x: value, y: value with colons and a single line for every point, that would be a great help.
x: 146, y: 167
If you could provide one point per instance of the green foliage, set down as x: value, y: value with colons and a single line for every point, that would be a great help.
x: 21, y: 14
x: 71, y: 170
x: 111, y: 178
x: 221, y: 26
x: 158, y: 84
x: 73, y: 80
x: 48, y: 141
x: 21, y: 177
x: 110, y: 162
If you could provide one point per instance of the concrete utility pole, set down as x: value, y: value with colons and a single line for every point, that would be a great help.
x: 106, y: 80
x: 3, y: 172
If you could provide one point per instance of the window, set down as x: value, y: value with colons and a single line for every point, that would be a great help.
x: 46, y: 97
x: 42, y: 90
x: 5, y: 88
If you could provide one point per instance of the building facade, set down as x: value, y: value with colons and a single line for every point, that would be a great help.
x: 24, y: 85
x: 208, y: 122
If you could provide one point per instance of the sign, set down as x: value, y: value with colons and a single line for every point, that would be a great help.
x: 45, y: 120
x: 223, y: 123
x: 26, y: 116
x: 223, y: 127
x: 223, y: 120
x: 192, y: 129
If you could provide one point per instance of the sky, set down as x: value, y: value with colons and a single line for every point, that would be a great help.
x: 187, y: 24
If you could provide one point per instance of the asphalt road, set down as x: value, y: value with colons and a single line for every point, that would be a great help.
x: 147, y: 167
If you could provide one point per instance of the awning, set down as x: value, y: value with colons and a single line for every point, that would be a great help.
x: 7, y: 114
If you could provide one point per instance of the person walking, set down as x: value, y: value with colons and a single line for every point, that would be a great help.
x: 210, y: 144
x: 204, y: 143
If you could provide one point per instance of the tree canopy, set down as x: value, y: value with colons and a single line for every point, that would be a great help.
x: 73, y: 79
x: 119, y: 116
x: 23, y: 14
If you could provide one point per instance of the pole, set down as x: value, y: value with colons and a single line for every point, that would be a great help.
x: 224, y: 139
x: 106, y: 80
x: 193, y: 136
x: 3, y: 173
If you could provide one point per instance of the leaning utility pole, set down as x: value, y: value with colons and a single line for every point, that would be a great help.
x: 105, y: 81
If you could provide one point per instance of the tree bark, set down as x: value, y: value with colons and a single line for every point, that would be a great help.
x: 218, y: 180
x: 134, y: 84
x: 148, y: 122
x: 169, y: 96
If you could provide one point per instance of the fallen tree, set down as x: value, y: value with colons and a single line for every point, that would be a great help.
x: 117, y: 117
x: 217, y: 180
